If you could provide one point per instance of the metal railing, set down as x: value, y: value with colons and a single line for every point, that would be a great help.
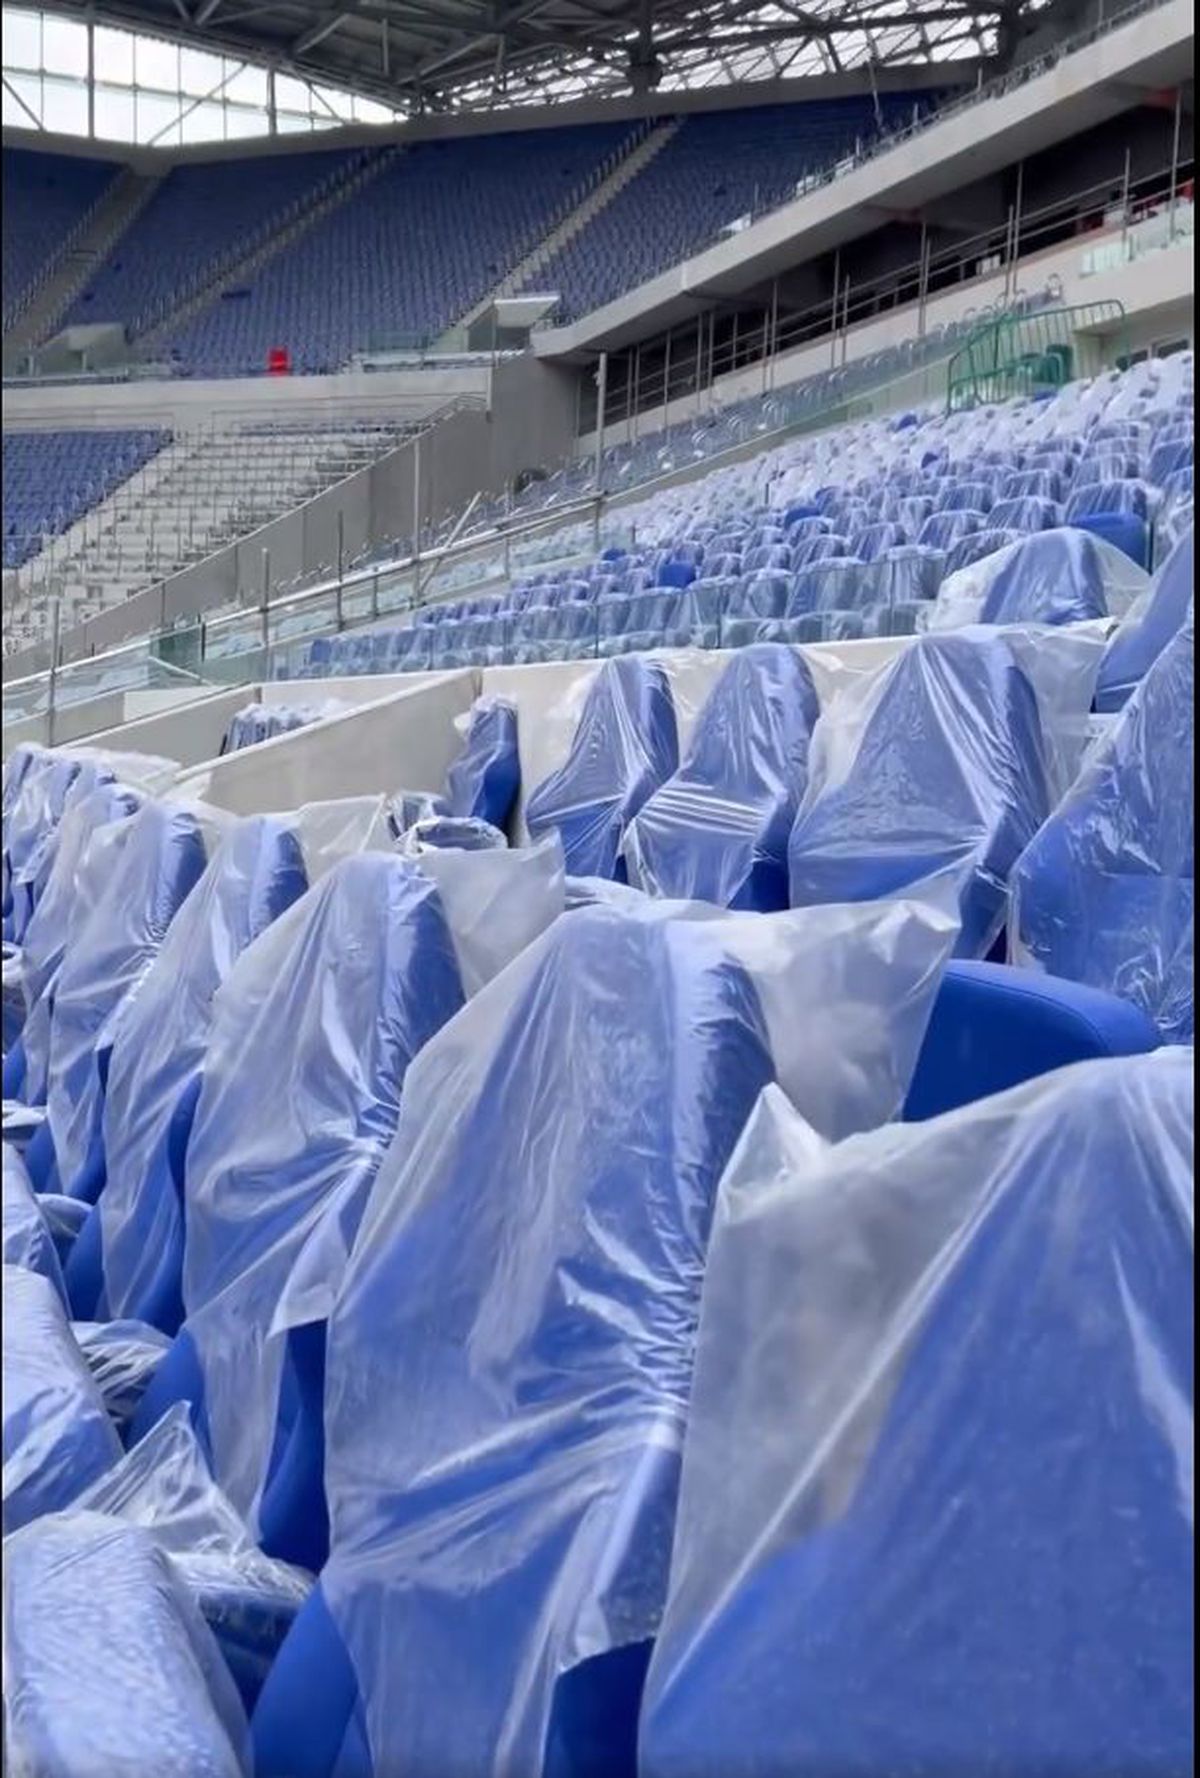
x: 1024, y: 354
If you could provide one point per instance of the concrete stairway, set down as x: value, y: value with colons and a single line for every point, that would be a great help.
x: 601, y: 195
x: 79, y: 258
x: 327, y: 197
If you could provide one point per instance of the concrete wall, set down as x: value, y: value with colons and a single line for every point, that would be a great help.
x: 191, y: 733
x: 403, y: 741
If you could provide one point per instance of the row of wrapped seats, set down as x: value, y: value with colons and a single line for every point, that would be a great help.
x: 411, y: 1418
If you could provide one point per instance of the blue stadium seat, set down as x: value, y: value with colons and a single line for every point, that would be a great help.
x: 942, y: 530
x: 1126, y: 531
x: 128, y: 1259
x: 976, y: 547
x: 1104, y: 893
x: 484, y: 780
x: 984, y: 1291
x: 1051, y: 577
x: 624, y: 747
x: 717, y: 830
x: 322, y: 1019
x: 949, y: 775
x: 1025, y: 513
x: 1146, y: 632
x: 163, y: 855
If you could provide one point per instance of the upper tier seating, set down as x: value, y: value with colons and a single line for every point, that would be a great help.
x: 51, y: 479
x: 46, y: 197
x: 937, y: 1365
x: 1105, y: 892
x: 717, y: 829
x: 942, y: 765
x: 714, y: 170
x: 128, y: 1260
x: 625, y: 746
x: 509, y: 1356
x: 405, y: 256
x: 201, y: 218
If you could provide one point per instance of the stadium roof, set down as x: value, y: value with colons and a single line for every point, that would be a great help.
x: 444, y: 55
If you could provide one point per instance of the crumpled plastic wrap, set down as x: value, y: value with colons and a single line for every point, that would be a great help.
x: 109, y: 1667
x: 261, y: 866
x: 165, y: 852
x: 31, y: 819
x: 163, y: 1485
x: 717, y: 830
x: 510, y: 1353
x: 449, y: 833
x: 46, y: 806
x: 625, y: 745
x: 940, y: 768
x: 1062, y: 576
x: 14, y: 994
x: 484, y: 781
x: 57, y: 1436
x: 320, y: 1020
x: 936, y: 1509
x: 1105, y: 891
x: 1148, y: 627
x: 406, y: 807
x: 122, y: 1357
x: 27, y: 1238
x: 78, y: 876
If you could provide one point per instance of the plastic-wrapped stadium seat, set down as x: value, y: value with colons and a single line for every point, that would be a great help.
x: 263, y: 865
x: 1026, y: 513
x: 625, y: 746
x: 165, y: 851
x: 75, y: 879
x: 1104, y: 893
x: 542, y: 1422
x: 976, y: 548
x: 909, y: 1341
x: 453, y: 833
x: 321, y: 1018
x: 1126, y: 531
x: 1056, y: 577
x: 758, y: 600
x: 27, y: 1238
x: 938, y: 765
x: 36, y: 810
x: 1148, y: 628
x: 993, y: 1026
x: 483, y: 782
x: 717, y: 830
x: 109, y: 1665
x: 942, y: 530
x: 57, y: 1436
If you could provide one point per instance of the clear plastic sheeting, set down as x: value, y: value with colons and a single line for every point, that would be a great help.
x: 509, y: 1357
x: 1055, y: 577
x: 122, y: 1357
x: 163, y: 1486
x: 261, y: 866
x: 321, y: 1020
x: 625, y: 746
x: 165, y: 852
x: 109, y: 1667
x: 57, y: 1436
x: 1105, y: 892
x: 936, y: 1513
x: 940, y: 768
x: 80, y: 872
x: 450, y: 833
x: 1157, y: 616
x: 27, y: 1238
x: 14, y: 994
x: 484, y: 781
x: 406, y: 807
x: 263, y: 722
x: 717, y: 830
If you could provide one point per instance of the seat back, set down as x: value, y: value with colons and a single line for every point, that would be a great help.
x: 1148, y: 628
x: 941, y: 766
x: 484, y: 780
x: 165, y: 850
x: 1052, y: 577
x: 624, y: 747
x: 717, y: 830
x: 954, y: 1311
x: 1104, y: 893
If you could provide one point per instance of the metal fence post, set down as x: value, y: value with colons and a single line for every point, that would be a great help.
x: 52, y: 686
x: 266, y: 613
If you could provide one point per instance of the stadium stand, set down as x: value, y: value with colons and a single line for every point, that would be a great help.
x: 51, y: 479
x: 46, y: 198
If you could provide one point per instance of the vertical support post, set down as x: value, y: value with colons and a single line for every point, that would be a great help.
x: 733, y: 343
x: 837, y: 273
x: 272, y: 115
x: 699, y: 356
x: 265, y: 613
x: 923, y: 280
x: 1175, y: 163
x: 507, y: 535
x: 417, y: 508
x: 52, y: 686
x: 601, y: 404
x: 634, y: 391
x: 769, y: 342
x: 91, y: 79
x: 341, y: 545
x: 1125, y: 183
x: 1015, y: 253
x: 845, y: 319
x: 666, y: 378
